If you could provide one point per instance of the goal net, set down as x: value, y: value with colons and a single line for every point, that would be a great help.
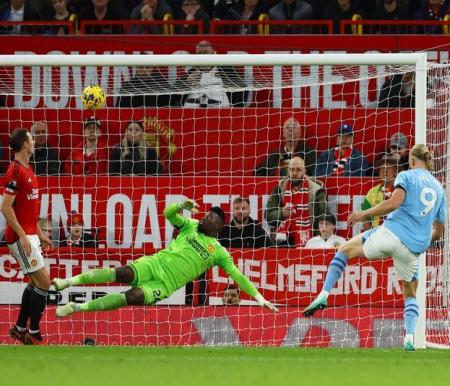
x: 222, y: 130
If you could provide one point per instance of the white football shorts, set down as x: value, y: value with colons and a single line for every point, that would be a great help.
x: 381, y: 243
x: 32, y: 263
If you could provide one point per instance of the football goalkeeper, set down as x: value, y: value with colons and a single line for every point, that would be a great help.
x: 156, y: 277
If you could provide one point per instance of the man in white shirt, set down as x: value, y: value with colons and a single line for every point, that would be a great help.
x: 327, y: 238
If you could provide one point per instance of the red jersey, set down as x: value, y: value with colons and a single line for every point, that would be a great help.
x: 21, y: 182
x: 80, y: 163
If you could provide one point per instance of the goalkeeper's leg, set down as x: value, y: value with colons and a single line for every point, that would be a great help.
x: 134, y: 296
x: 97, y: 276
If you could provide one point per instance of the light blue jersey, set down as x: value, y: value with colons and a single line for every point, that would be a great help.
x: 424, y: 204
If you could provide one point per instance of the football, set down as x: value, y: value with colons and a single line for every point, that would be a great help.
x: 93, y: 97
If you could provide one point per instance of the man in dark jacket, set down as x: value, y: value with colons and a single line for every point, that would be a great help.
x: 277, y: 162
x: 45, y: 160
x: 18, y: 10
x: 243, y: 231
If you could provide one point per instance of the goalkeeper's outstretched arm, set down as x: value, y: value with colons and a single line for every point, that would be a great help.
x: 244, y: 283
x: 172, y: 212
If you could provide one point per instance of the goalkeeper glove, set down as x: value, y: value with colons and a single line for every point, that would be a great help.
x: 189, y: 205
x: 265, y: 303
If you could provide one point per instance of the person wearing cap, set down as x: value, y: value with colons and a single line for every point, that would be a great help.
x: 399, y: 150
x: 90, y: 156
x: 344, y: 159
x: 327, y: 237
x: 294, y: 145
x: 387, y: 169
x: 77, y: 237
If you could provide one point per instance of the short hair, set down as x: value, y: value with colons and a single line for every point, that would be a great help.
x: 240, y: 200
x: 18, y: 137
x: 232, y: 287
x: 219, y: 212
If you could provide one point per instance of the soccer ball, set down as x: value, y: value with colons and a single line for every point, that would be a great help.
x: 93, y: 97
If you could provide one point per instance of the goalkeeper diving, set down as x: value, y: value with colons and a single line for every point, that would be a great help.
x: 156, y: 277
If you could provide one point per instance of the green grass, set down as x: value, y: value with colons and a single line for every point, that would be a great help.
x: 200, y: 366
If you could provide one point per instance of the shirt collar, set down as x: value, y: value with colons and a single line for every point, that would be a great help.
x: 19, y: 11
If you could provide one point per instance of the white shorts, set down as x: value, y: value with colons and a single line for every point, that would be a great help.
x: 379, y: 243
x: 32, y: 263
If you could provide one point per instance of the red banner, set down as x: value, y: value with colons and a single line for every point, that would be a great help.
x: 218, y: 141
x: 364, y: 92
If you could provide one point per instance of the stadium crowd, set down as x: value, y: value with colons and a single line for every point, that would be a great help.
x: 204, y: 11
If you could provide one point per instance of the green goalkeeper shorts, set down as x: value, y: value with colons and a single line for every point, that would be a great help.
x: 144, y: 278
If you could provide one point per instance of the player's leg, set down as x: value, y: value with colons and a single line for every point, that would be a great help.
x: 410, y: 313
x: 349, y: 250
x: 122, y: 274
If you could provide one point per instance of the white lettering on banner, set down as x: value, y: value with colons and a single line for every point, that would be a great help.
x: 148, y: 207
x: 56, y: 83
x: 393, y: 283
x: 264, y: 276
x: 127, y: 221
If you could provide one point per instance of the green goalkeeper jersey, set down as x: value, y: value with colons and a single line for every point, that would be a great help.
x: 191, y: 254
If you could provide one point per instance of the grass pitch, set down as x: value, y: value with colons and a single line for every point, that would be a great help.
x: 202, y: 366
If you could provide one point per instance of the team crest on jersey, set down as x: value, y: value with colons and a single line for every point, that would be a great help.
x: 34, y: 262
x: 211, y: 248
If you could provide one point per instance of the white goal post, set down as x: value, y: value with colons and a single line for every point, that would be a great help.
x: 416, y: 62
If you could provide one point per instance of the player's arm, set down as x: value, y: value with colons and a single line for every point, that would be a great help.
x: 382, y: 209
x: 172, y: 214
x: 10, y: 216
x: 438, y: 231
x: 243, y: 282
x: 439, y: 221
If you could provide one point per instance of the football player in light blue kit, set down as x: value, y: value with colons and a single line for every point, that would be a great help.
x: 416, y: 216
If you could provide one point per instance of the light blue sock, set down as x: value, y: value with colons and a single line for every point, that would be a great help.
x: 410, y: 315
x: 335, y: 270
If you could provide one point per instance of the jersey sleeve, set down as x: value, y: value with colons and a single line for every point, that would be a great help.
x: 172, y: 214
x: 401, y: 181
x: 226, y: 262
x: 11, y: 181
x: 441, y: 215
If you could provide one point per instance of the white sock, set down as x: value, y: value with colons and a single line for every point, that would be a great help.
x: 409, y: 338
x: 324, y: 293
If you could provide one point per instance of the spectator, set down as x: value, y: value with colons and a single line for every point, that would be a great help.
x: 45, y: 160
x: 17, y: 10
x: 192, y: 10
x: 243, y: 231
x: 150, y: 10
x: 245, y: 10
x: 148, y: 88
x: 46, y: 226
x: 133, y: 156
x: 59, y: 12
x: 91, y: 155
x: 78, y: 237
x: 290, y: 10
x: 387, y: 169
x: 277, y: 162
x: 100, y: 10
x: 222, y: 7
x: 398, y: 91
x: 344, y: 159
x: 390, y: 10
x: 326, y: 238
x: 295, y: 205
x: 399, y: 151
x: 207, y: 84
x: 434, y: 10
x: 338, y: 10
x: 231, y: 296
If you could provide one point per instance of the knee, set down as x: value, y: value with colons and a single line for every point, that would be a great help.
x: 124, y: 274
x: 135, y: 297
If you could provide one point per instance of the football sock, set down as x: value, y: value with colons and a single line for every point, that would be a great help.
x: 335, y: 271
x: 410, y: 315
x: 96, y: 276
x: 37, y: 307
x: 107, y: 302
x: 25, y: 308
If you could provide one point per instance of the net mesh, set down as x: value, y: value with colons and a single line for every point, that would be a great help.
x: 214, y: 134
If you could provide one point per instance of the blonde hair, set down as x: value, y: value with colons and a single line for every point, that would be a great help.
x: 421, y: 152
x: 126, y: 146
